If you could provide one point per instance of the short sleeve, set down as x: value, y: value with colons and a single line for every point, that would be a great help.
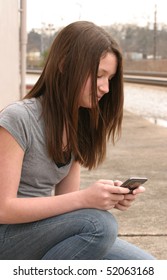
x: 15, y: 119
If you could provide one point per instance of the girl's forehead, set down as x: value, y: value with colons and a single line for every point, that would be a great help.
x: 108, y: 63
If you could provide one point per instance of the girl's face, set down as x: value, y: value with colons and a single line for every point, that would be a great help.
x: 107, y: 69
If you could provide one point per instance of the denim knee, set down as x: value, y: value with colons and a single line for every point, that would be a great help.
x: 106, y: 231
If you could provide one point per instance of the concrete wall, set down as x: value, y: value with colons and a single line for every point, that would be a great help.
x: 9, y: 52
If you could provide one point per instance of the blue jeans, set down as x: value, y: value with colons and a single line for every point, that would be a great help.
x: 86, y: 234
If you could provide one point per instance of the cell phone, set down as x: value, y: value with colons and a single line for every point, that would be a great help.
x: 133, y: 183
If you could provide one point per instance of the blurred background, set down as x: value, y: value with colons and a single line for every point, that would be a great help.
x: 140, y: 28
x: 29, y: 27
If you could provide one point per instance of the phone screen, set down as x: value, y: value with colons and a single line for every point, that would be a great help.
x: 133, y: 183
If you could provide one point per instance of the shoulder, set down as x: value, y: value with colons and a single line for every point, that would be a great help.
x: 15, y: 110
x: 15, y: 119
x: 22, y: 110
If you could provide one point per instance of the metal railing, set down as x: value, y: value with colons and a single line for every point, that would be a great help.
x: 138, y: 77
x: 149, y: 78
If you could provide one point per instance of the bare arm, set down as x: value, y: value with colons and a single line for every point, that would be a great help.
x: 19, y: 210
x: 101, y: 195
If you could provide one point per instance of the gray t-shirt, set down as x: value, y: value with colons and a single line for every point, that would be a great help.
x: 39, y: 174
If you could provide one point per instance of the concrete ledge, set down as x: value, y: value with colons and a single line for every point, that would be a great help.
x: 141, y: 151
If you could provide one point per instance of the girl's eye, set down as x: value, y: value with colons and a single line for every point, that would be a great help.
x: 101, y: 76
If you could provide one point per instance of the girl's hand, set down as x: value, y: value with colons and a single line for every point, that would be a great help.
x: 103, y: 194
x: 129, y: 198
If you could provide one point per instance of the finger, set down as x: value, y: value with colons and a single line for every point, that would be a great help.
x: 119, y: 190
x: 130, y: 196
x: 126, y: 203
x: 117, y: 183
x: 117, y: 197
x: 140, y: 189
x: 121, y: 207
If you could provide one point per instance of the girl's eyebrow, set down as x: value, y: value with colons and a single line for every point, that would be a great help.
x: 102, y: 70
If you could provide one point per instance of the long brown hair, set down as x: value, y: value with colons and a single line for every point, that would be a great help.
x: 74, y: 55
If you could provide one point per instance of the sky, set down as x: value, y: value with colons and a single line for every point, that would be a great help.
x: 58, y: 13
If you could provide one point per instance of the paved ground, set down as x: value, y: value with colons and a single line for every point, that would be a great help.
x: 141, y: 151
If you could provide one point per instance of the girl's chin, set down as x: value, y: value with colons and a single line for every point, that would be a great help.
x: 88, y: 104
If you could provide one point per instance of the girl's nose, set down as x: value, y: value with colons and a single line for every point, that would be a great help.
x: 104, y: 87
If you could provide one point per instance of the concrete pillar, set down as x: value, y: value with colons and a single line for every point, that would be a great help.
x: 9, y: 52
